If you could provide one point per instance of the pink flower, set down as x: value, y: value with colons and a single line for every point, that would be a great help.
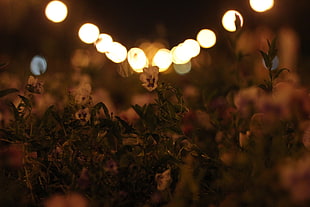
x: 149, y: 77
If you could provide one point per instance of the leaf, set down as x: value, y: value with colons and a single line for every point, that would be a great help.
x: 15, y: 111
x: 128, y: 128
x: 263, y: 86
x: 278, y: 72
x: 8, y: 91
x: 26, y: 101
x: 139, y: 110
x: 267, y: 61
x: 100, y: 105
x: 237, y: 22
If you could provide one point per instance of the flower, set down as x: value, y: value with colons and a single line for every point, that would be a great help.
x: 149, y: 77
x: 83, y: 115
x: 34, y: 85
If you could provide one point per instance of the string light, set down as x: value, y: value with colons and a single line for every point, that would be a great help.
x: 137, y: 59
x: 56, y: 11
x: 162, y: 59
x: 103, y: 43
x: 206, y: 38
x: 180, y: 55
x: 117, y: 52
x: 261, y: 5
x: 89, y: 33
x: 229, y: 20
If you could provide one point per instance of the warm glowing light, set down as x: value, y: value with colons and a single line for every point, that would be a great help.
x: 230, y: 20
x: 206, y: 38
x: 182, y: 68
x: 137, y: 59
x: 56, y: 11
x: 261, y: 5
x: 38, y: 65
x: 89, y: 33
x: 180, y: 54
x: 117, y: 52
x: 103, y: 43
x: 192, y: 46
x: 162, y: 59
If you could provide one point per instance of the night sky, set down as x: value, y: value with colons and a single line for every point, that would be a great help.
x: 25, y: 30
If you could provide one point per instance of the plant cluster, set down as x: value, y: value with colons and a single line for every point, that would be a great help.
x: 245, y: 147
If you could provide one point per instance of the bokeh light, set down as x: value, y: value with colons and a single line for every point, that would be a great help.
x: 56, y: 11
x: 182, y: 69
x: 229, y: 20
x: 192, y: 46
x: 261, y: 5
x: 103, y: 43
x: 180, y: 54
x: 117, y: 52
x: 206, y: 38
x: 38, y: 65
x: 89, y: 33
x: 137, y: 59
x: 162, y: 59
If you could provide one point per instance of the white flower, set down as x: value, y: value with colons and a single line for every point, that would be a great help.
x: 149, y: 77
x: 83, y: 115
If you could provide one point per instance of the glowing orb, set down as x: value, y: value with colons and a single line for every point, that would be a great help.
x: 180, y: 54
x: 162, y: 59
x: 56, y: 11
x: 137, y: 59
x: 103, y: 43
x: 261, y: 5
x: 230, y: 20
x: 88, y: 33
x: 117, y: 52
x: 192, y: 46
x: 38, y: 65
x: 206, y: 38
x: 182, y: 69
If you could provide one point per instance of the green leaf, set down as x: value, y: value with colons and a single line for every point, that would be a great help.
x: 8, y: 91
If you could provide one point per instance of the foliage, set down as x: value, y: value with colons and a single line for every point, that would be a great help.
x: 232, y: 145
